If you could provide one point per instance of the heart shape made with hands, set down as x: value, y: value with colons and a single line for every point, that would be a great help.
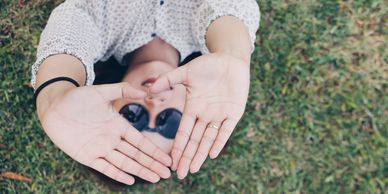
x: 84, y: 124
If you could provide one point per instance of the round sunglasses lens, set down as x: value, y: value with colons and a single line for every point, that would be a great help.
x: 136, y: 115
x: 168, y: 121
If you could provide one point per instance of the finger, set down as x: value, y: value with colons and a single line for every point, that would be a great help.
x: 113, y: 172
x: 130, y: 166
x: 138, y: 140
x: 204, y: 148
x: 144, y: 159
x: 191, y: 148
x: 112, y: 92
x: 181, y: 138
x: 168, y: 80
x: 222, y: 137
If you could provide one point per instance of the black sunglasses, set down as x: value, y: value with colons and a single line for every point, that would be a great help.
x: 167, y: 121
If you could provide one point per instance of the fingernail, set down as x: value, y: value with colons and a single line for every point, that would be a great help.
x: 127, y: 181
x: 131, y: 182
x: 181, y: 177
x: 174, y: 165
x: 166, y: 174
x: 148, y: 85
x: 154, y: 179
x: 194, y: 169
x: 182, y: 173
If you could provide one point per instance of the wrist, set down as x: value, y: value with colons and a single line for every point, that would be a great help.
x: 246, y: 58
x: 231, y: 58
x: 50, y: 93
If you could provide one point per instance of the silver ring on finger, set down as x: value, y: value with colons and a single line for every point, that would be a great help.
x: 213, y: 126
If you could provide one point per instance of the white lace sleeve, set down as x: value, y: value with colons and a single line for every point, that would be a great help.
x: 72, y: 30
x: 246, y: 10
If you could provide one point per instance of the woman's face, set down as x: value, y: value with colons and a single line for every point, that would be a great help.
x: 142, y: 76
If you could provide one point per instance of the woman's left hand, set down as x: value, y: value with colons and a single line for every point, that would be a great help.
x: 217, y: 90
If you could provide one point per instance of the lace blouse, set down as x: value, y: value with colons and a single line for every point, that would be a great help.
x: 94, y: 30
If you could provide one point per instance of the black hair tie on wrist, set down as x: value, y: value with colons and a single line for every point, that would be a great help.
x: 48, y: 82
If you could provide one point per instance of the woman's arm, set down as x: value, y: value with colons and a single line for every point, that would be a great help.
x: 226, y: 25
x: 73, y: 37
x: 69, y: 45
x: 229, y: 35
x: 57, y: 66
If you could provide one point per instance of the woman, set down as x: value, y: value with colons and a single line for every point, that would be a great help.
x: 128, y: 128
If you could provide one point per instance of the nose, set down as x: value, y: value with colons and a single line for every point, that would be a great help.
x: 154, y: 100
x: 153, y: 103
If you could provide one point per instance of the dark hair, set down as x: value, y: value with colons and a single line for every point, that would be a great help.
x: 111, y: 71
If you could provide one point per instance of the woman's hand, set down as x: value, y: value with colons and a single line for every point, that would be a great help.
x: 83, y: 123
x: 217, y: 90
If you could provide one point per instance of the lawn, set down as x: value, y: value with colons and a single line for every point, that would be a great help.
x: 316, y: 120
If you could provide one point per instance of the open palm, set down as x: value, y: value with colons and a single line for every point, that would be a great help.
x: 84, y: 124
x: 217, y: 90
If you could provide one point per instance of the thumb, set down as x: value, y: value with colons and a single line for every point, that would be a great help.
x: 112, y: 92
x: 170, y: 79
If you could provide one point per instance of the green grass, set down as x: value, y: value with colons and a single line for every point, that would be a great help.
x: 316, y: 120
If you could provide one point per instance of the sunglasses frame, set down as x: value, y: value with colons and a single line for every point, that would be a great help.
x: 170, y: 134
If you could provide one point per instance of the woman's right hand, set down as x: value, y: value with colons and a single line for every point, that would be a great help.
x: 83, y: 123
x: 217, y: 86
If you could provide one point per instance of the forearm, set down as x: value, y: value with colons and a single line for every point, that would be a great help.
x: 61, y: 65
x: 229, y: 35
